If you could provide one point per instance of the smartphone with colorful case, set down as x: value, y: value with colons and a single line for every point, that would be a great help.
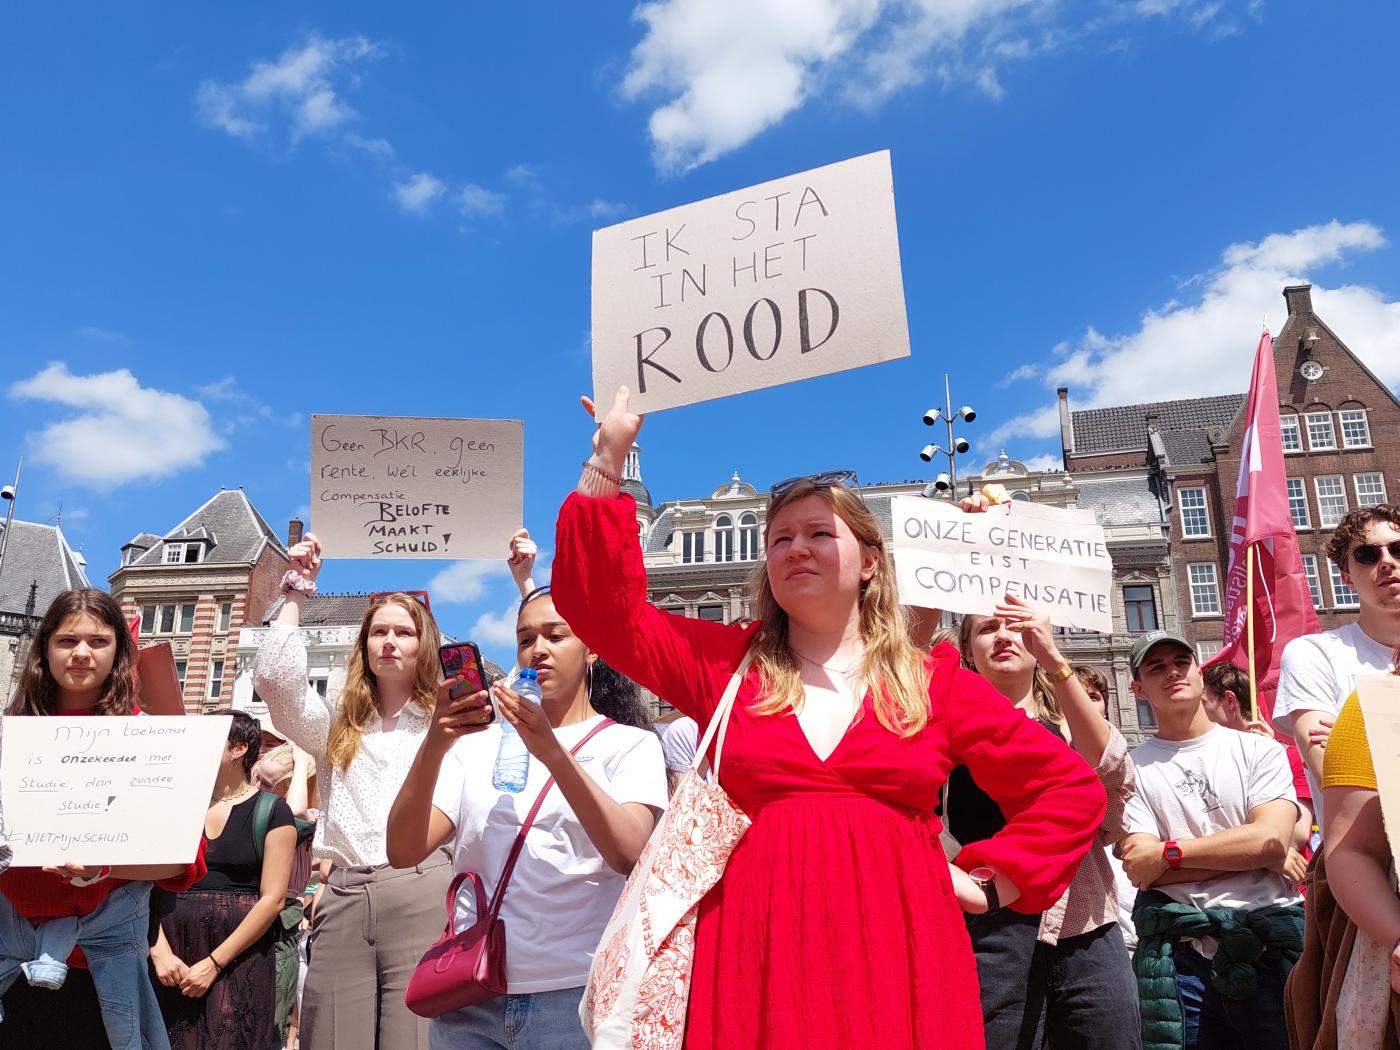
x: 463, y: 660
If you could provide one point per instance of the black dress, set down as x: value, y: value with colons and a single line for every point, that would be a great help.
x: 239, y: 1011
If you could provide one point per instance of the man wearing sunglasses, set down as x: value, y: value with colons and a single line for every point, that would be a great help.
x: 1319, y: 670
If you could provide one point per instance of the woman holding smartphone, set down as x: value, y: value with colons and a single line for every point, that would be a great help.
x: 589, y: 831
x: 374, y: 920
x: 79, y: 664
x: 837, y: 921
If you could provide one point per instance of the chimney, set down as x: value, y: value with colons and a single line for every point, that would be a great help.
x: 1299, y: 299
x: 294, y: 531
x: 1066, y: 424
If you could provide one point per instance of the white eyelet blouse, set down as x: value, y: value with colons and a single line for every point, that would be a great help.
x: 355, y: 801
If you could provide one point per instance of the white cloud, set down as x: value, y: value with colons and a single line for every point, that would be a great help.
x: 476, y: 200
x: 727, y: 70
x: 496, y: 629
x: 102, y: 335
x: 1204, y: 346
x: 417, y: 192
x: 303, y: 85
x: 1048, y: 461
x: 381, y: 148
x: 121, y: 432
x: 465, y: 581
x: 1018, y: 374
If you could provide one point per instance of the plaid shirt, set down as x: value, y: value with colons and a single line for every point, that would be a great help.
x: 1092, y: 898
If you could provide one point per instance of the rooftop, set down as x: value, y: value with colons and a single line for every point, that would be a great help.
x: 1124, y: 427
x: 37, y: 553
x: 230, y: 528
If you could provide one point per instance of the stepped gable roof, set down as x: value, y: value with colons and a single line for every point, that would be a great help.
x: 37, y: 553
x: 1121, y: 501
x: 1124, y: 427
x: 228, y: 524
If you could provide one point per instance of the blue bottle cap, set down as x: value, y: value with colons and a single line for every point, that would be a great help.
x: 529, y: 672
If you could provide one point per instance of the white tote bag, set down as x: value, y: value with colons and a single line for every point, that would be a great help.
x: 639, y: 984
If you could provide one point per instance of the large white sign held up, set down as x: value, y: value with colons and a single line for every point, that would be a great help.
x: 397, y: 487
x: 111, y: 790
x: 1054, y: 558
x: 787, y: 280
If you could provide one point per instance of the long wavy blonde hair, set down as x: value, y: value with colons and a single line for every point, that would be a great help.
x: 1043, y: 703
x: 356, y: 709
x: 892, y: 666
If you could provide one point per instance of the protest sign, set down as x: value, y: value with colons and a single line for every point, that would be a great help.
x: 1380, y: 710
x: 109, y: 790
x: 787, y: 280
x: 397, y: 487
x: 1055, y: 558
x: 158, y: 682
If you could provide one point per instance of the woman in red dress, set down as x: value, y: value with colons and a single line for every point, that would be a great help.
x: 838, y: 922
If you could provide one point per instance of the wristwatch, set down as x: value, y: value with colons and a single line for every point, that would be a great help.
x: 986, y: 880
x: 1171, y: 853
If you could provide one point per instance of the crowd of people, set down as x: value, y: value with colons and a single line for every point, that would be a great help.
x: 949, y: 845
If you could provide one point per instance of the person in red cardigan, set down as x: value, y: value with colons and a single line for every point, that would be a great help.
x: 80, y: 663
x: 838, y: 922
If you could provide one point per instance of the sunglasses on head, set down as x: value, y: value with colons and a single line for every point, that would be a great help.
x: 421, y: 597
x: 822, y: 481
x: 1369, y: 554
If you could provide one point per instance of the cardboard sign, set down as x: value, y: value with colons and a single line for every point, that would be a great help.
x: 396, y: 487
x: 1054, y: 558
x: 158, y: 682
x: 787, y: 280
x: 1380, y: 710
x: 109, y: 790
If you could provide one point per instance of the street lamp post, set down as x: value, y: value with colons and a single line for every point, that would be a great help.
x: 945, y: 482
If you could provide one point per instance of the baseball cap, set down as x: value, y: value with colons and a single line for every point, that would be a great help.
x: 1150, y: 641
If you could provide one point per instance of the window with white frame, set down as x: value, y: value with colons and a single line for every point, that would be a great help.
x: 148, y: 619
x: 1331, y: 499
x: 1292, y: 433
x: 1343, y: 597
x: 1356, y: 431
x: 1194, y: 521
x: 184, y: 618
x: 1205, y: 589
x: 1140, y: 607
x: 692, y: 547
x: 216, y: 679
x: 748, y: 537
x: 1320, y: 434
x: 167, y: 619
x: 181, y: 668
x: 724, y: 538
x: 1298, y: 503
x: 1314, y: 583
x: 1206, y: 649
x: 225, y: 617
x: 1370, y: 489
x: 174, y: 553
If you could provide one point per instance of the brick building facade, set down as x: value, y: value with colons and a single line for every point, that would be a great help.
x: 197, y: 585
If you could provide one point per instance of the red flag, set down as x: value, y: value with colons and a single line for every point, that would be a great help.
x: 1283, y: 607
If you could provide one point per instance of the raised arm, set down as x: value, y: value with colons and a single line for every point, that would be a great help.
x: 1053, y: 816
x: 279, y: 676
x: 600, y: 585
x: 523, y: 551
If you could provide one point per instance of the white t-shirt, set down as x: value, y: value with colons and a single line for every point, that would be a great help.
x: 678, y: 743
x: 1318, y: 673
x: 562, y: 892
x: 1188, y: 789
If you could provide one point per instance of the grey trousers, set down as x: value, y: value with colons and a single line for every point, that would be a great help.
x: 370, y: 929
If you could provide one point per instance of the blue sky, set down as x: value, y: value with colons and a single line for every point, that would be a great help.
x: 220, y: 220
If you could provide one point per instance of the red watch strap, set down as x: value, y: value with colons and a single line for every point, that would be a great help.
x: 1171, y: 853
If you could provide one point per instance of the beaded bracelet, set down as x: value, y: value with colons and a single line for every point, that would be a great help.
x: 589, y: 465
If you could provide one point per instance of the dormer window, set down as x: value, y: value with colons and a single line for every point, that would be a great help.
x: 183, y: 553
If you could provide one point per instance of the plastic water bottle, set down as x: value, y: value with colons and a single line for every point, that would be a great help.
x: 513, y: 758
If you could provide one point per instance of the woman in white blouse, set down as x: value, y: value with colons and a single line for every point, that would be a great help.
x: 374, y: 921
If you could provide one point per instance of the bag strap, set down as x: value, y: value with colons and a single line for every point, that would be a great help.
x: 719, y: 721
x: 499, y: 895
x: 262, y: 818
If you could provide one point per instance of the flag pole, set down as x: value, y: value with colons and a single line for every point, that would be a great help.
x: 1249, y: 630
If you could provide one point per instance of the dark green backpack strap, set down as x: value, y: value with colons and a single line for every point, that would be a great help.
x: 262, y: 818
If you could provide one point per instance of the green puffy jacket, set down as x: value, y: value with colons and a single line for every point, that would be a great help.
x: 1243, y: 936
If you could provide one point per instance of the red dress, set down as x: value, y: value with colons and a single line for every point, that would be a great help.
x: 835, y: 923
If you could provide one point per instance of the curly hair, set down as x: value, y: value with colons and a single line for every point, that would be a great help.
x: 37, y: 693
x: 1351, y: 530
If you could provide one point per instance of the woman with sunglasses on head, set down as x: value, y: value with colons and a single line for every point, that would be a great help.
x: 837, y: 921
x: 374, y: 920
x: 80, y: 663
x: 1061, y: 979
x: 590, y: 828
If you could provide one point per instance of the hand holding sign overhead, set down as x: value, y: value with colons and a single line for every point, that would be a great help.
x: 794, y: 278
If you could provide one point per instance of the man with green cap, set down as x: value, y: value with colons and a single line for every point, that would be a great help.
x: 1208, y: 837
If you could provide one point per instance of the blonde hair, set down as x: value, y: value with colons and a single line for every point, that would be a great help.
x: 356, y: 707
x: 278, y: 763
x: 892, y: 666
x: 1043, y: 703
